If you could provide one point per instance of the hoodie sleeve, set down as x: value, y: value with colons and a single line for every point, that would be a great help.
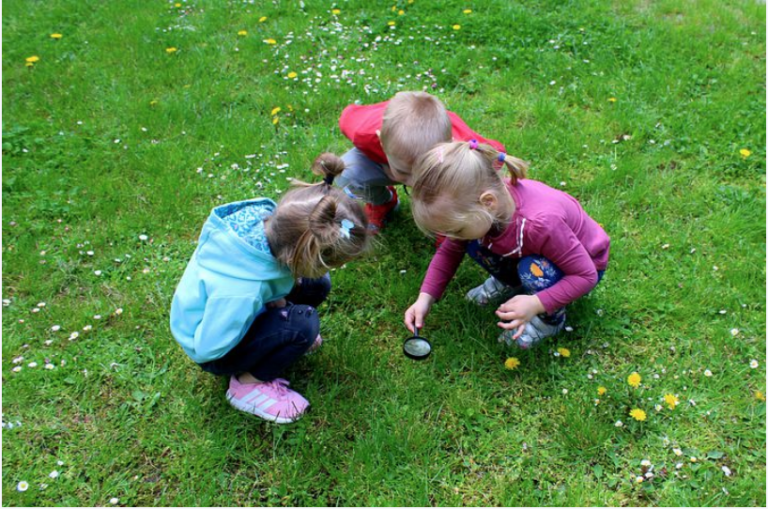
x: 222, y: 324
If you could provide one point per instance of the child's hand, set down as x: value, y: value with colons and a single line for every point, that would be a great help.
x: 518, y: 311
x: 414, y: 316
x: 279, y: 303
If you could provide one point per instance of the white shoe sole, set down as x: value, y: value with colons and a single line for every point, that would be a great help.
x: 252, y: 409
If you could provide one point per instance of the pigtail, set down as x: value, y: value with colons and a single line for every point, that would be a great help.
x: 328, y: 166
x: 517, y: 167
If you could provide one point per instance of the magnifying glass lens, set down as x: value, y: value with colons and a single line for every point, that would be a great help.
x: 417, y: 347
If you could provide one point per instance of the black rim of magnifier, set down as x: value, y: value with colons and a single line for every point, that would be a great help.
x: 417, y: 357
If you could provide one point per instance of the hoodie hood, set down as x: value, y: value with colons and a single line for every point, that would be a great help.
x: 233, y: 242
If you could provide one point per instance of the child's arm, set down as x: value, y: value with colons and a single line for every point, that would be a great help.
x: 443, y: 267
x: 440, y: 272
x: 560, y: 245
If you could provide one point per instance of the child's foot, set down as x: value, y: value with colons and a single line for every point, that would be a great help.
x: 535, y: 331
x: 492, y: 290
x: 318, y: 342
x: 272, y: 401
x: 378, y: 215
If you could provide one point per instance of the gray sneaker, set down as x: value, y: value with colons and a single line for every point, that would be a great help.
x: 535, y: 331
x: 492, y: 290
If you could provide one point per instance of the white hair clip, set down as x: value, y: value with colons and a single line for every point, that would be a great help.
x: 346, y: 225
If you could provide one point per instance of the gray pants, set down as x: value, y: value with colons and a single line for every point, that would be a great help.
x: 364, y: 179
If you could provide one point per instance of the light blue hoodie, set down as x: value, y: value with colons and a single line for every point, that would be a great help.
x: 230, y: 277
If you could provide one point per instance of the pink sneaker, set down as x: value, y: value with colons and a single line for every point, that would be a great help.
x: 318, y: 342
x: 272, y: 401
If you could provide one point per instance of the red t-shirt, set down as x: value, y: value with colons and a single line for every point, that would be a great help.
x: 359, y: 123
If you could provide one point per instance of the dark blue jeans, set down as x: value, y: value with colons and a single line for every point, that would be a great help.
x: 534, y: 273
x: 279, y: 336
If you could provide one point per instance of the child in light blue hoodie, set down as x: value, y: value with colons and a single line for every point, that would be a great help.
x: 245, y: 306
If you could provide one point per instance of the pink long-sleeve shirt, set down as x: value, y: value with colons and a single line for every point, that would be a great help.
x: 546, y: 222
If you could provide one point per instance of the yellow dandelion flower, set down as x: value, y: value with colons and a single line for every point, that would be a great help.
x: 292, y: 74
x: 745, y: 153
x: 637, y: 414
x: 601, y: 390
x: 410, y: 1
x: 671, y: 401
x: 634, y: 379
x: 336, y: 11
x: 511, y: 363
x: 394, y: 8
x: 56, y: 36
x: 391, y: 23
x: 759, y: 396
x: 242, y: 32
x: 171, y: 50
x: 457, y: 27
x: 275, y: 111
x: 270, y: 41
x: 564, y: 352
x: 612, y: 99
x: 262, y: 19
x: 275, y: 120
x: 177, y: 4
x: 33, y: 59
x: 29, y: 64
x: 400, y: 12
x: 467, y: 11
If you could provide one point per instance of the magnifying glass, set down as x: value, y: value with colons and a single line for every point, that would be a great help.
x: 417, y: 347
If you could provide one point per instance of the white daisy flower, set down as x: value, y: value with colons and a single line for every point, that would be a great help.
x: 645, y: 463
x: 726, y: 471
x: 22, y: 486
x: 114, y: 500
x: 143, y: 237
x: 54, y: 474
x: 32, y: 365
x: 619, y: 424
x: 56, y: 328
x: 707, y: 373
x: 753, y: 364
x: 119, y: 311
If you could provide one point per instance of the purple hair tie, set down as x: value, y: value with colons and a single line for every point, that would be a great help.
x: 472, y: 144
x: 502, y: 156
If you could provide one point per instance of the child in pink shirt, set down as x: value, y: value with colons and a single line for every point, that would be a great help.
x: 523, y: 232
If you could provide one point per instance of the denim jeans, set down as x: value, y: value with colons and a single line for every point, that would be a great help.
x: 364, y: 179
x: 533, y: 272
x: 279, y: 336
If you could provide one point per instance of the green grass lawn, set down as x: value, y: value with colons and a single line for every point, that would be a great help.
x: 115, y: 148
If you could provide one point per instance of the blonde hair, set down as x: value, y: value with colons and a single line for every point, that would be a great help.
x: 451, y: 179
x: 413, y: 123
x: 317, y: 226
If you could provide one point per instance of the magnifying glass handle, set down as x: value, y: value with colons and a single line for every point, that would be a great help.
x: 415, y: 331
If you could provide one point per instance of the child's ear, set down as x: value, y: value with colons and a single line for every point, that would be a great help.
x: 489, y: 201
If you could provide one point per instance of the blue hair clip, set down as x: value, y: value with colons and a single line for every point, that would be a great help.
x: 502, y: 156
x: 346, y: 226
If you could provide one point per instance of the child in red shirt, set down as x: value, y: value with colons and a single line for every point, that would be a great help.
x: 388, y: 137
